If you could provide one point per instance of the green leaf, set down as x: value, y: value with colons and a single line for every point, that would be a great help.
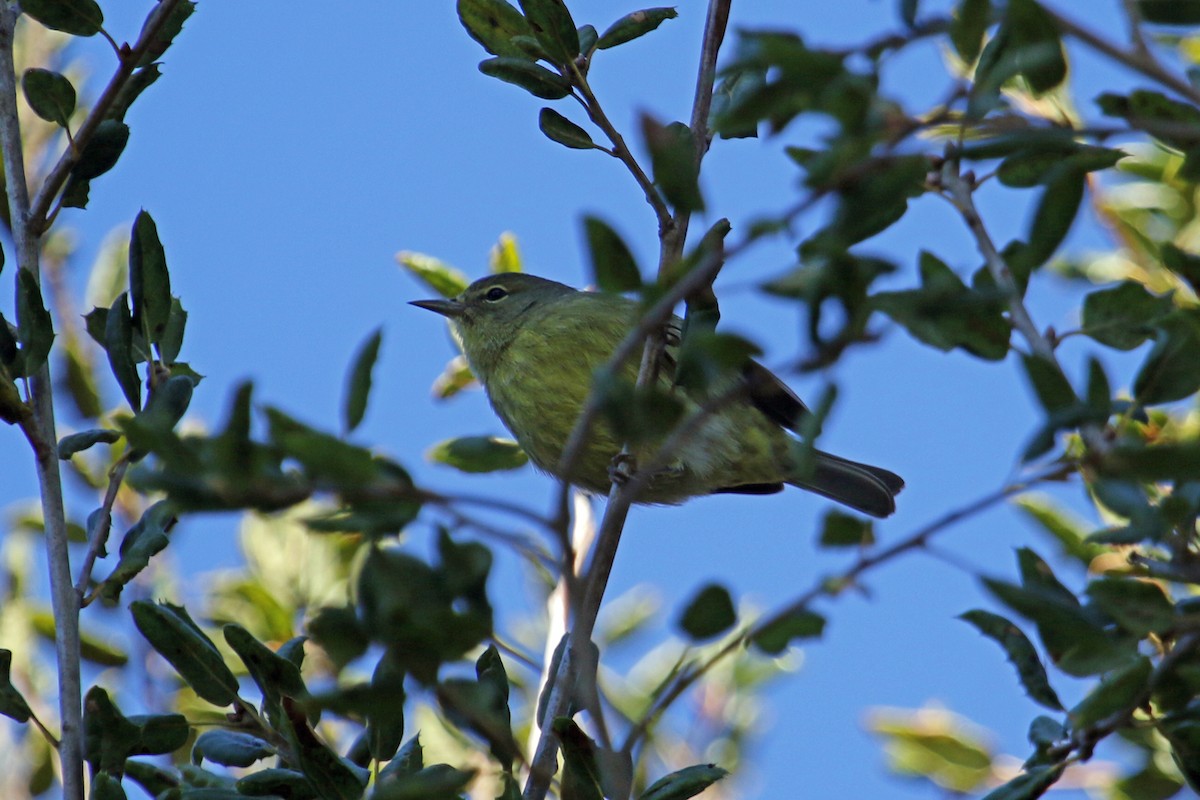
x: 230, y: 748
x: 945, y: 314
x: 581, y: 772
x: 673, y: 157
x: 171, y: 339
x: 1020, y: 653
x: 633, y: 25
x: 171, y: 631
x: 533, y: 78
x: 358, y: 382
x: 78, y: 442
x: 166, y: 33
x: 35, y: 328
x: 1030, y: 784
x: 339, y: 633
x: 436, y: 782
x: 967, y: 27
x: 49, y: 94
x: 478, y: 454
x: 1121, y: 690
x: 138, y: 82
x: 76, y: 17
x: 276, y: 782
x: 118, y: 342
x: 106, y: 787
x: 109, y: 738
x: 1035, y: 45
x: 1170, y: 12
x: 102, y: 151
x: 840, y: 529
x: 1140, y: 607
x: 1171, y: 370
x: 332, y: 777
x: 708, y: 614
x: 1124, y: 316
x: 1184, y: 264
x: 442, y: 278
x: 1070, y: 533
x: 1074, y: 641
x: 276, y: 676
x: 409, y: 760
x: 560, y: 129
x: 149, y: 281
x: 494, y: 24
x: 1053, y: 216
x: 1053, y: 390
x: 614, y: 268
x: 684, y: 783
x: 144, y: 540
x: 775, y: 637
x: 12, y: 703
x: 385, y: 720
x: 553, y: 27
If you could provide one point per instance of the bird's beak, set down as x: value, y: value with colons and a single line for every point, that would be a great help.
x: 447, y: 308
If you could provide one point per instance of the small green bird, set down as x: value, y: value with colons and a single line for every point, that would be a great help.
x: 536, y: 344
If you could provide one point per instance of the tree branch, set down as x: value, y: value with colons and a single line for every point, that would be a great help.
x: 64, y: 600
x: 128, y: 59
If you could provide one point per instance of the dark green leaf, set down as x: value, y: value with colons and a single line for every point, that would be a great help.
x: 1074, y: 641
x: 171, y: 339
x: 149, y: 281
x: 409, y: 760
x: 587, y: 39
x: 276, y: 782
x: 1035, y: 45
x: 553, y: 27
x: 153, y: 779
x: 436, y: 782
x: 1171, y: 371
x: 614, y: 268
x: 708, y: 614
x: 1124, y: 316
x: 138, y: 82
x: 1053, y: 216
x: 385, y: 719
x: 166, y: 32
x: 478, y: 454
x: 106, y: 787
x: 78, y: 442
x: 494, y: 24
x: 840, y: 529
x: 102, y: 151
x: 908, y: 12
x: 774, y: 637
x: 76, y: 17
x: 1184, y: 264
x: 1020, y: 653
x: 230, y: 748
x: 1053, y: 390
x: 12, y: 703
x: 633, y: 25
x: 358, y: 383
x: 1047, y: 159
x: 118, y: 342
x: 945, y: 314
x: 171, y: 631
x: 333, y: 778
x: 684, y: 783
x: 1170, y: 12
x: 1030, y: 784
x: 533, y: 78
x: 967, y: 27
x: 35, y: 329
x: 141, y: 542
x: 49, y: 94
x: 339, y: 633
x: 276, y: 676
x: 109, y: 738
x: 1139, y: 607
x: 581, y: 772
x: 560, y: 129
x: 676, y: 167
x: 1121, y: 690
x: 167, y: 403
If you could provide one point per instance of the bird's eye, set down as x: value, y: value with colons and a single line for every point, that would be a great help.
x: 495, y: 293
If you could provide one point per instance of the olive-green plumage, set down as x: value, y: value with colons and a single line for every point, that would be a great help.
x: 535, y: 345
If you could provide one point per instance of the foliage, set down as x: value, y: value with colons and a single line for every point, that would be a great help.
x: 345, y: 652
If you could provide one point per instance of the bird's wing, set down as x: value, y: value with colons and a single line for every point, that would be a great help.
x: 766, y: 391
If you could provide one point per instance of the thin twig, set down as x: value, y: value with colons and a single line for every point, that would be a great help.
x: 831, y: 586
x: 1145, y: 63
x: 99, y: 537
x: 128, y: 59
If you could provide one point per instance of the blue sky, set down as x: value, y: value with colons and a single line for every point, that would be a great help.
x: 290, y: 150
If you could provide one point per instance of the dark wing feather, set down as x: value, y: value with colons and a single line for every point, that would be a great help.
x: 773, y: 397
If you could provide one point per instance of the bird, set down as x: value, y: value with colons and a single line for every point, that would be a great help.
x: 536, y: 345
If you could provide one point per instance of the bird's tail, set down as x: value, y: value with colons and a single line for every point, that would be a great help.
x: 871, y: 490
